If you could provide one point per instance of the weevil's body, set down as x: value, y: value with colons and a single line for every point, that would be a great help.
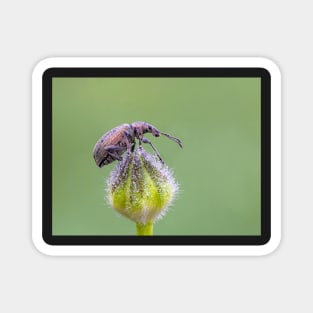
x: 113, y: 144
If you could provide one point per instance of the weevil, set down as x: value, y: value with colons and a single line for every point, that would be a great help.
x: 113, y: 144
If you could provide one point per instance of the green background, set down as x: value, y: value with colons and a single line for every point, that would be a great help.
x: 218, y: 170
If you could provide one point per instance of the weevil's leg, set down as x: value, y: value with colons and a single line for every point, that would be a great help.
x: 146, y: 140
x: 133, y: 147
x: 115, y: 156
x: 112, y: 151
x: 114, y: 148
x: 140, y: 138
x: 130, y: 147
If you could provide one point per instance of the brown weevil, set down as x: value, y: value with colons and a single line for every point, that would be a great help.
x: 113, y: 144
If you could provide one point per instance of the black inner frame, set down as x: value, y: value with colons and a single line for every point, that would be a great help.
x: 156, y: 240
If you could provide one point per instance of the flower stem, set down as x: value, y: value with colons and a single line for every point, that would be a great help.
x: 144, y: 229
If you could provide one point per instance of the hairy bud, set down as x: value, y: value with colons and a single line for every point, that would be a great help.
x: 141, y: 188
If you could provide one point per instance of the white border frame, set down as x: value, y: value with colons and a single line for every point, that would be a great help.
x: 245, y: 62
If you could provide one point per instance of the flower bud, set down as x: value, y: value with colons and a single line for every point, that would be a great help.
x: 141, y: 187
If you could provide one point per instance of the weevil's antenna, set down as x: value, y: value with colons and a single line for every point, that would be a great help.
x: 173, y: 138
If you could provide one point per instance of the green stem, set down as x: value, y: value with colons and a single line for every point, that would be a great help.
x: 144, y: 230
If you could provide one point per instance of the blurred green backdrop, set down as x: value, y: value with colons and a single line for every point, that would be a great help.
x: 218, y: 120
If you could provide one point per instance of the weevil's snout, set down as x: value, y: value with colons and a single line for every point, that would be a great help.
x: 154, y: 131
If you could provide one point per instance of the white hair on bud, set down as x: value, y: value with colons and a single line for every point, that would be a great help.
x: 135, y: 166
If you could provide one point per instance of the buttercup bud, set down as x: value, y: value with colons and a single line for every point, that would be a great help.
x: 141, y: 188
